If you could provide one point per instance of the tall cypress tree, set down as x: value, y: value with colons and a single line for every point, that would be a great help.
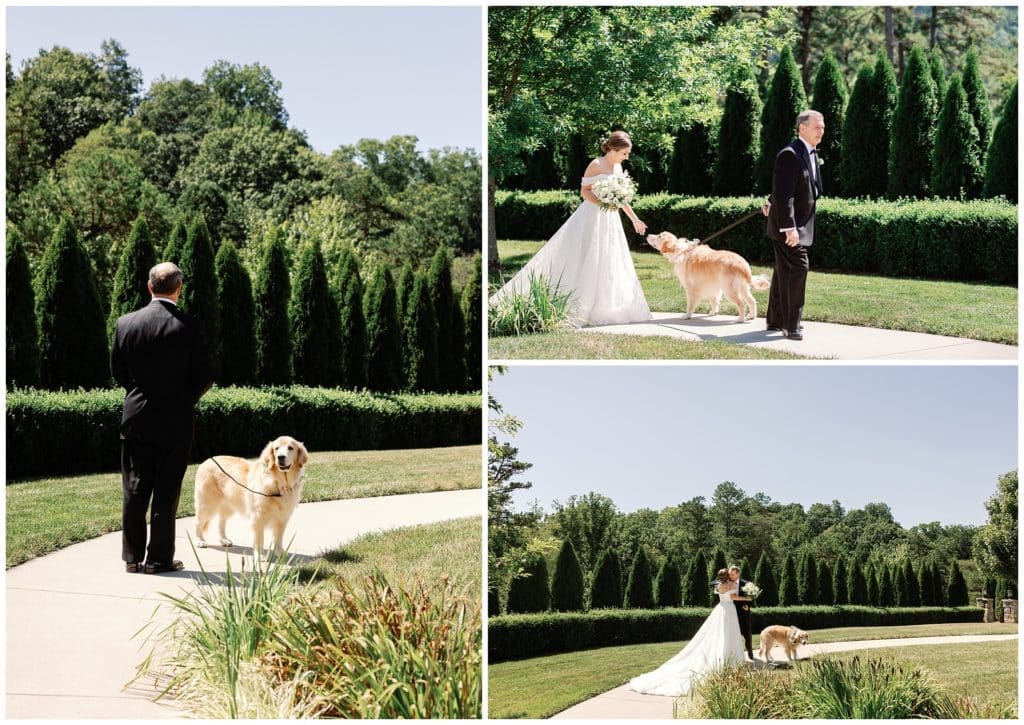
x: 924, y: 583
x: 606, y: 585
x: 913, y: 587
x: 472, y: 299
x: 72, y: 329
x: 578, y: 154
x: 695, y: 588
x: 176, y: 243
x: 856, y: 174
x: 493, y: 601
x: 1001, y: 160
x: 857, y: 585
x: 693, y: 153
x: 22, y: 329
x: 270, y: 314
x: 871, y: 580
x: 883, y: 105
x: 238, y: 338
x: 667, y: 585
x: 788, y: 589
x: 826, y: 594
x: 786, y: 99
x: 829, y: 94
x: 313, y: 319
x: 567, y: 581
x: 639, y: 586
x: 956, y: 588
x: 130, y: 291
x: 738, y: 135
x: 530, y: 592
x: 420, y: 351
x: 459, y: 344
x: 199, y: 291
x: 957, y: 166
x: 900, y: 586
x: 385, y: 367
x: 451, y: 365
x: 352, y: 323
x: 913, y: 130
x: 938, y: 586
x: 406, y: 281
x: 840, y: 582
x: 764, y: 577
x: 886, y: 587
x: 977, y: 103
x: 938, y: 72
x: 808, y: 586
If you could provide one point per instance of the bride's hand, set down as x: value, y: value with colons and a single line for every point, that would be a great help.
x: 639, y: 227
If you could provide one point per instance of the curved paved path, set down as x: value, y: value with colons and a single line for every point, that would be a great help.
x: 71, y: 614
x: 821, y: 339
x: 622, y: 703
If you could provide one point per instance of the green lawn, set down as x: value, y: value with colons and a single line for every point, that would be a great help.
x: 977, y: 311
x: 543, y: 686
x: 605, y: 346
x: 47, y: 514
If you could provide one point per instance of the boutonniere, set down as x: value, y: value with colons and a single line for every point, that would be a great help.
x: 821, y: 161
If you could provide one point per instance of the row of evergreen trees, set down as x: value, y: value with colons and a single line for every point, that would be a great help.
x: 925, y: 136
x: 310, y: 328
x: 803, y: 582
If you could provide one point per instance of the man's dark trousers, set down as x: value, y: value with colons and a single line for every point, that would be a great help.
x: 789, y: 282
x: 151, y: 471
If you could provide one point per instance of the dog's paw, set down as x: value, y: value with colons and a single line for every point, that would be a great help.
x: 200, y: 544
x: 225, y: 542
x: 688, y: 315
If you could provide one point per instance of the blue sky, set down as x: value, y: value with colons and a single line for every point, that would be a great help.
x: 347, y: 72
x: 930, y: 441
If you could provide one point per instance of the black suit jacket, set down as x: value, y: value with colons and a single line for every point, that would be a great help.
x: 159, y: 358
x: 794, y: 194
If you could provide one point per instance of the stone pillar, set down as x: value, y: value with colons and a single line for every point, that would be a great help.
x: 1010, y: 611
x: 989, y: 605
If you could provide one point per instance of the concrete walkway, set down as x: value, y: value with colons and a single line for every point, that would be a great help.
x: 623, y: 703
x: 71, y: 614
x: 821, y: 339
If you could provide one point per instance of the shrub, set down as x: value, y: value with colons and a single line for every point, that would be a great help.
x: 451, y: 365
x: 639, y: 586
x: 977, y: 103
x: 130, y: 292
x: 176, y: 242
x: 692, y: 163
x: 871, y: 580
x: 856, y: 174
x: 238, y: 339
x: 352, y: 323
x: 938, y: 586
x: 826, y: 594
x: 1001, y: 161
x: 420, y: 351
x: 385, y: 369
x: 567, y: 581
x: 789, y: 592
x: 738, y: 135
x: 856, y: 584
x: 883, y: 104
x: 764, y: 577
x: 73, y: 349
x: 493, y: 602
x: 886, y: 586
x: 667, y: 585
x: 840, y: 585
x: 530, y: 592
x: 270, y: 312
x: 829, y: 96
x: 910, y: 148
x: 740, y: 693
x: 913, y: 587
x: 956, y: 588
x: 199, y: 291
x: 523, y: 636
x: 900, y: 586
x: 695, y: 586
x: 938, y: 73
x: 236, y: 421
x: 406, y: 281
x: 472, y: 299
x: 314, y: 322
x: 606, y: 583
x: 807, y: 587
x: 542, y: 309
x: 785, y: 100
x: 22, y: 330
x: 957, y: 170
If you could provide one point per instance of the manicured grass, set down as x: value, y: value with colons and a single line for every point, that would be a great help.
x: 44, y: 515
x: 429, y: 554
x: 605, y: 346
x: 976, y: 311
x: 543, y: 686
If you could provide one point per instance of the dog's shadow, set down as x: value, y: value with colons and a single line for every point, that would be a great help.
x: 288, y: 558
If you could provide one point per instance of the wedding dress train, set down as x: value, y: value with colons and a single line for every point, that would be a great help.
x: 717, y: 644
x: 588, y: 259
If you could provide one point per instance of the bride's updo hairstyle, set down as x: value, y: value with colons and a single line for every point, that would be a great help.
x: 616, y: 140
x: 722, y: 575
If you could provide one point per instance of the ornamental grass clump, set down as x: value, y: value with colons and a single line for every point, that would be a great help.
x: 542, y: 309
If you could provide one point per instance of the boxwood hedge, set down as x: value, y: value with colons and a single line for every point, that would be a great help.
x: 54, y: 433
x: 519, y: 636
x: 938, y: 239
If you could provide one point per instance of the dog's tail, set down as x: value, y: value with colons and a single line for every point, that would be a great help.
x: 760, y: 283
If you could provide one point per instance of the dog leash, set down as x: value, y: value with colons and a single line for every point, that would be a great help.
x: 734, y: 224
x: 259, y: 493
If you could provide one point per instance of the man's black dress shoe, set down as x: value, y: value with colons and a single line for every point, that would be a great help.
x: 158, y: 568
x: 797, y: 335
x: 773, y: 328
x: 133, y: 567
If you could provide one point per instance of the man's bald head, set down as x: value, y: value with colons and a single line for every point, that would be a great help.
x: 165, y: 279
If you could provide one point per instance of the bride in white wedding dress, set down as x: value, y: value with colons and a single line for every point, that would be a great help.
x: 588, y: 257
x: 717, y: 644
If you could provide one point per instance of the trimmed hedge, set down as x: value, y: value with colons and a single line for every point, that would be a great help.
x: 516, y: 637
x: 80, y: 429
x: 938, y: 239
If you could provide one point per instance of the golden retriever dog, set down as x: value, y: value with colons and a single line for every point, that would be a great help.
x: 788, y: 637
x: 266, y: 491
x: 706, y: 272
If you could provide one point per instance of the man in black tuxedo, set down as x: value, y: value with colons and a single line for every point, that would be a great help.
x: 796, y: 186
x: 743, y: 611
x: 159, y: 358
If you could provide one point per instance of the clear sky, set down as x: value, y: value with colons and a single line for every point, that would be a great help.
x: 346, y: 72
x: 931, y: 441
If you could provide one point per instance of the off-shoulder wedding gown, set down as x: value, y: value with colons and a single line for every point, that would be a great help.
x: 717, y: 644
x: 588, y: 259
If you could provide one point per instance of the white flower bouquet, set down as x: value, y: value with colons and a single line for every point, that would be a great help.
x: 751, y: 590
x: 614, y: 191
